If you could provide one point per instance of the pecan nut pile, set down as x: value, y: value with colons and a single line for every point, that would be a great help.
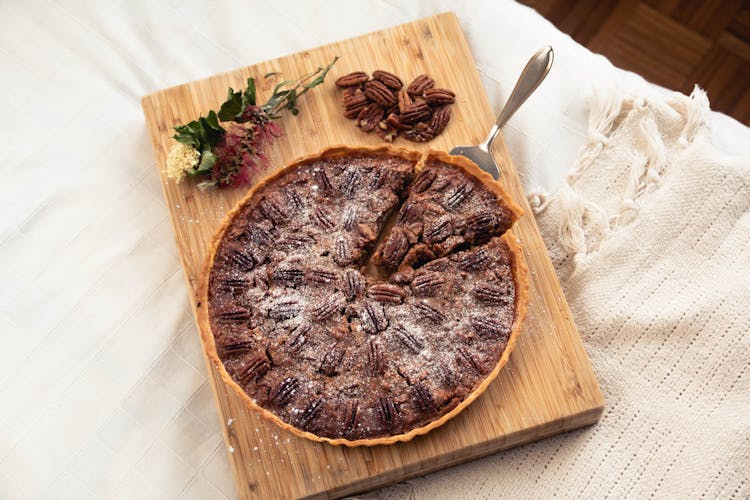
x: 419, y: 112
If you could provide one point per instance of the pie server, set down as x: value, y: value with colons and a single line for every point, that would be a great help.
x: 533, y: 74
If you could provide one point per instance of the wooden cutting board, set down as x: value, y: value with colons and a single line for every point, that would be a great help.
x: 547, y: 387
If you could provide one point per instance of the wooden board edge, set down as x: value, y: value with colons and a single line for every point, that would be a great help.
x: 212, y: 382
x: 440, y: 15
x: 560, y: 426
x: 148, y: 110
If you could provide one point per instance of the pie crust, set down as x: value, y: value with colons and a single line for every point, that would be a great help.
x: 437, y: 347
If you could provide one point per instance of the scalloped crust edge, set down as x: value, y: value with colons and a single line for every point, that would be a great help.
x: 520, y: 276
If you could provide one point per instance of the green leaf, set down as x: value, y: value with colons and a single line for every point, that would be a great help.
x: 248, y: 97
x: 315, y: 82
x: 192, y: 128
x: 269, y: 75
x: 189, y: 134
x: 292, y: 102
x: 208, y: 160
x: 186, y: 139
x: 202, y: 134
x: 183, y: 129
x: 231, y: 107
x: 213, y: 121
x: 282, y: 84
x: 211, y: 130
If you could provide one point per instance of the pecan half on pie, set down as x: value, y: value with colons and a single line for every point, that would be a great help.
x: 363, y: 296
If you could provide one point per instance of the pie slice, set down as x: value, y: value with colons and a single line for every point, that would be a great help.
x: 448, y: 208
x: 332, y: 348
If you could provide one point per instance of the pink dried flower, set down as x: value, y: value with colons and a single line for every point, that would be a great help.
x: 240, y: 153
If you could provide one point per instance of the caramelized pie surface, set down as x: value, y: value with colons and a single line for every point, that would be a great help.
x: 326, y: 347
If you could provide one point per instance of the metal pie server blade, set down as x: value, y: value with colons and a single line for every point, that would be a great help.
x: 531, y: 76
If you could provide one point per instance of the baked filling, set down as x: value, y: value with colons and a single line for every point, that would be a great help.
x: 365, y: 295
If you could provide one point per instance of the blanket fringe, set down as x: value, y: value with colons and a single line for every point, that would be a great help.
x: 604, y: 111
x: 645, y: 170
x: 538, y: 200
x: 695, y: 109
x: 606, y: 107
x: 571, y: 234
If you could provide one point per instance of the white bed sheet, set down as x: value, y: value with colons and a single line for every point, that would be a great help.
x: 102, y: 385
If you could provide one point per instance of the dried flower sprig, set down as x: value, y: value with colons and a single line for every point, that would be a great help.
x: 231, y: 156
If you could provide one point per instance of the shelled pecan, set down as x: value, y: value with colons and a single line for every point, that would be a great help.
x: 439, y: 96
x: 389, y: 79
x: 351, y: 79
x: 419, y: 85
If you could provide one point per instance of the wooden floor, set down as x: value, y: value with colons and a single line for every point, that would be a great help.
x: 673, y: 43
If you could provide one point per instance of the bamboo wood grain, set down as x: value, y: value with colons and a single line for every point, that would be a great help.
x: 547, y: 387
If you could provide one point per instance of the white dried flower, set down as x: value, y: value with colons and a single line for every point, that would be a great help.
x: 181, y: 159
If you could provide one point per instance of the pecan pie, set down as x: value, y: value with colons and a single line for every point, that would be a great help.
x: 363, y: 296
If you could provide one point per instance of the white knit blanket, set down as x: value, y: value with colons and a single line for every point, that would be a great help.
x: 650, y: 237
